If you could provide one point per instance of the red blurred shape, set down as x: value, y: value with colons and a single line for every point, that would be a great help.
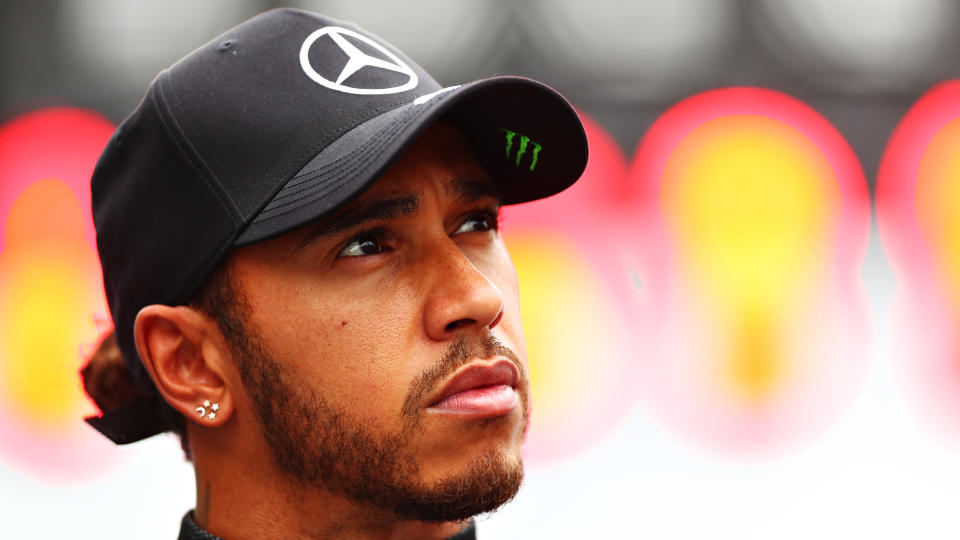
x: 918, y: 204
x: 50, y: 291
x: 62, y: 143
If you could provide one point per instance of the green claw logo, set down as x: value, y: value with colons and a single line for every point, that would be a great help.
x: 525, y: 143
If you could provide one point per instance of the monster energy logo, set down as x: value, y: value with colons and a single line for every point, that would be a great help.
x: 525, y: 143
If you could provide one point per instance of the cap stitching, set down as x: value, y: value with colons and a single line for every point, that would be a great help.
x: 346, y: 167
x: 192, y: 157
x: 287, y: 198
x: 403, y: 118
x: 293, y: 182
x: 312, y: 152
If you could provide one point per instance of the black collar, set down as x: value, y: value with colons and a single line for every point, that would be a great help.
x: 189, y: 530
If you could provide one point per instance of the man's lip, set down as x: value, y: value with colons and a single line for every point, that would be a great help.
x: 477, y: 376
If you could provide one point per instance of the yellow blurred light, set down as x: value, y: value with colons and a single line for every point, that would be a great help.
x: 749, y: 201
x: 564, y: 313
x: 41, y: 336
x: 937, y: 205
x: 49, y: 292
x: 753, y: 366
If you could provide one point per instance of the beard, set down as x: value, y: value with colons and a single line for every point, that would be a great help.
x: 323, y: 446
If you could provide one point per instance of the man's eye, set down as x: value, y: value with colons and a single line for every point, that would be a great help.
x: 362, y: 246
x: 478, y: 222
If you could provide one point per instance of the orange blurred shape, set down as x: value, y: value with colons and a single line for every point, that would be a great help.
x: 938, y: 206
x: 49, y: 283
x: 756, y: 220
x: 51, y: 293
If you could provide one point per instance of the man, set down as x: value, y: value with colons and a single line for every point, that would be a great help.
x: 298, y: 233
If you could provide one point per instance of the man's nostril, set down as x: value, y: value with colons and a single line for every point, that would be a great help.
x: 457, y: 324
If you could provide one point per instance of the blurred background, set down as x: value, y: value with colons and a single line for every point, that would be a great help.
x: 723, y: 316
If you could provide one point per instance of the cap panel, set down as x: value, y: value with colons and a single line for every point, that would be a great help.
x: 144, y: 183
x: 336, y: 175
x: 247, y: 104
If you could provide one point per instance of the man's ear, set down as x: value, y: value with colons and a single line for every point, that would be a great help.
x: 182, y: 350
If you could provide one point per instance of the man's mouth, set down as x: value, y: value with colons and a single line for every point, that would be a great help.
x: 480, y: 390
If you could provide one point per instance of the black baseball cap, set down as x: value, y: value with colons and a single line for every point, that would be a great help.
x: 280, y: 121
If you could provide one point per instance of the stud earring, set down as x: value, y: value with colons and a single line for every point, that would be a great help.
x: 202, y: 410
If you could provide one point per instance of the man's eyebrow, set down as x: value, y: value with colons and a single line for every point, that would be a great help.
x: 471, y: 188
x: 403, y: 204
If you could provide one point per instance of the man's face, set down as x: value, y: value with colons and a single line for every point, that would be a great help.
x: 383, y: 353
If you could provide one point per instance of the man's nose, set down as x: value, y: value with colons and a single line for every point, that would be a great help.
x: 460, y: 297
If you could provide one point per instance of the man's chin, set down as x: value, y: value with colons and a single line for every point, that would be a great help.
x: 489, y: 482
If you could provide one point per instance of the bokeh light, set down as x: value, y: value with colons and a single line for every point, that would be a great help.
x: 937, y: 205
x: 51, y: 296
x: 756, y: 218
x: 743, y: 197
x: 918, y: 205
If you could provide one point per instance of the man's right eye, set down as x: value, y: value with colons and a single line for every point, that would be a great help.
x: 362, y: 246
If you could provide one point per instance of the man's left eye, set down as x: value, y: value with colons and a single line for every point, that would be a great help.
x: 478, y: 222
x: 362, y: 246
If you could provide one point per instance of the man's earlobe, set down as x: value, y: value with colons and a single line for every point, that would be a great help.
x: 180, y: 350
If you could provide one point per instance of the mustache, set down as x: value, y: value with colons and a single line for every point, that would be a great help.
x: 460, y: 352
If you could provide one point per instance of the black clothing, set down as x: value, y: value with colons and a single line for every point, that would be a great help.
x: 189, y: 530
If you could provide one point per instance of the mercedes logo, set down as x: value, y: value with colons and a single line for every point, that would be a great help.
x: 357, y: 61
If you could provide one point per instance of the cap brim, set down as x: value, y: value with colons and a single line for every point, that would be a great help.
x: 526, y: 135
x: 132, y: 421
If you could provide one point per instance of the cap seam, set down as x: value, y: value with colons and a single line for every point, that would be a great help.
x: 329, y: 188
x: 193, y: 156
x: 347, y: 164
x: 345, y: 161
x: 311, y: 153
x: 402, y: 117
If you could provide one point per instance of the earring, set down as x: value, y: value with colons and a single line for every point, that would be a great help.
x: 202, y: 410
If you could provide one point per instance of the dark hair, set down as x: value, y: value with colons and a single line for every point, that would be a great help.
x: 106, y: 378
x: 108, y: 381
